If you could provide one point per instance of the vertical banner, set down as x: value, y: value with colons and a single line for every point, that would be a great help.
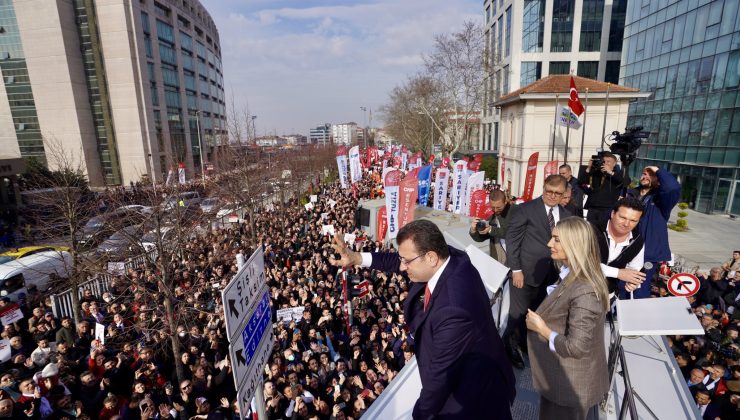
x: 459, y: 182
x: 407, y: 199
x: 404, y: 158
x: 425, y: 178
x: 181, y: 172
x: 342, y: 165
x: 503, y: 171
x: 551, y: 168
x: 385, y: 163
x: 478, y: 203
x: 170, y: 175
x: 382, y: 224
x: 475, y: 182
x: 441, y: 182
x: 391, y: 181
x: 531, y: 176
x: 355, y: 168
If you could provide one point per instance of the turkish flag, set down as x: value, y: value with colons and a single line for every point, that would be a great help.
x: 574, y: 103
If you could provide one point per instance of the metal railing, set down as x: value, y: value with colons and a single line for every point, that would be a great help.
x: 61, y: 303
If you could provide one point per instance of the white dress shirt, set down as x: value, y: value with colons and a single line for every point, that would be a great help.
x: 367, y: 260
x: 555, y: 215
x: 616, y: 248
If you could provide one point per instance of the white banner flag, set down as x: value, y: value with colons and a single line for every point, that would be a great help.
x: 567, y: 117
x: 475, y: 182
x: 459, y: 183
x: 404, y: 161
x: 342, y: 168
x: 181, y: 173
x: 441, y: 182
x: 355, y: 168
x: 391, y: 184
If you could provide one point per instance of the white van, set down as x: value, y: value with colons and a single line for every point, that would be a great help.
x: 34, y: 270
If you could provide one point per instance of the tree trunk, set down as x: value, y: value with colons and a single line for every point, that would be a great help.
x: 174, y: 339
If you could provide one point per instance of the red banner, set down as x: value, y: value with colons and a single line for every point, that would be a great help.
x: 551, y: 168
x: 478, y: 203
x: 382, y: 224
x: 531, y: 176
x: 431, y: 159
x: 407, y: 199
x: 363, y: 288
x: 478, y: 157
x: 503, y: 172
x: 474, y: 165
x: 446, y: 162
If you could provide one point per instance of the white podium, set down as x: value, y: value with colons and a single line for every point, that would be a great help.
x: 647, y: 317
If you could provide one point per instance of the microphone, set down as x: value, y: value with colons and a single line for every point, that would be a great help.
x: 645, y: 267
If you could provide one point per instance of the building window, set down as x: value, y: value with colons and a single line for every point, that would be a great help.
x: 506, y: 79
x: 508, y: 32
x: 588, y: 69
x: 612, y: 72
x: 499, y: 46
x: 169, y: 75
x: 488, y: 13
x: 186, y: 41
x: 148, y: 46
x: 531, y: 72
x: 616, y: 30
x: 165, y: 32
x: 591, y: 19
x: 145, y: 22
x: 167, y: 54
x: 562, y: 25
x: 533, y: 25
x: 559, y: 67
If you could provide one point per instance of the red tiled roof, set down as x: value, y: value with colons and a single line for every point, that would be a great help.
x: 560, y: 83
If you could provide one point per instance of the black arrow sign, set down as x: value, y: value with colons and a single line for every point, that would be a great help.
x: 240, y: 357
x: 232, y: 308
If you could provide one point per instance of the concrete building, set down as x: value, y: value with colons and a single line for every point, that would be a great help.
x: 320, y: 134
x: 530, y: 39
x: 124, y: 86
x: 345, y: 133
x: 688, y: 55
x: 527, y: 126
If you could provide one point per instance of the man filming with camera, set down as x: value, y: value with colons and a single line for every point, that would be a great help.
x: 496, y: 227
x: 606, y: 184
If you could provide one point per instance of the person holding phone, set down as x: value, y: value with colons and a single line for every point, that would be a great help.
x: 495, y: 228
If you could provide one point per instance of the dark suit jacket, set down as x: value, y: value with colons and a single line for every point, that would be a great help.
x: 526, y: 242
x: 464, y: 371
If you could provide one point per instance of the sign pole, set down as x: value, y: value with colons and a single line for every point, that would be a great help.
x: 259, y: 396
x: 567, y: 135
x: 606, y: 107
x: 554, y: 127
x: 583, y: 133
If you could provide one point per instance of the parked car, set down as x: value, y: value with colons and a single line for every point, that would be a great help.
x: 121, y: 242
x: 149, y: 240
x: 183, y: 199
x: 33, y: 272
x: 210, y: 205
x: 98, y: 228
x: 16, y: 253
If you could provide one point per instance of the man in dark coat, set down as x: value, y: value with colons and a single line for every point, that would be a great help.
x: 496, y: 227
x: 464, y: 371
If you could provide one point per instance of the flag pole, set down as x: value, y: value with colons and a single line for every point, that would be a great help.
x: 555, y: 126
x: 606, y: 106
x: 567, y: 135
x: 583, y: 134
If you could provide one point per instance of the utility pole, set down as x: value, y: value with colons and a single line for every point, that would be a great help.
x: 200, y: 148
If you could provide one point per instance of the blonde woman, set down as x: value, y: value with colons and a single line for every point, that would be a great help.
x: 566, y: 334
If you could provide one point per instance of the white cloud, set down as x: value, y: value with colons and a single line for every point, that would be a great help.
x: 300, y: 65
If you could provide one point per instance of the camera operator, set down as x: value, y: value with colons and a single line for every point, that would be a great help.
x: 659, y: 192
x: 497, y: 226
x: 606, y: 183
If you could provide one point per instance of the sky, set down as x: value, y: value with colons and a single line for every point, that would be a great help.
x: 297, y: 64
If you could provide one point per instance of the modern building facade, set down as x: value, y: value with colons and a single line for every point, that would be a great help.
x: 527, y: 40
x: 687, y: 53
x: 128, y: 88
x: 320, y: 134
x: 344, y: 133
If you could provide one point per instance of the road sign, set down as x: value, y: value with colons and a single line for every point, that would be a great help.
x: 683, y: 284
x: 239, y: 295
x: 242, y: 350
x: 253, y: 379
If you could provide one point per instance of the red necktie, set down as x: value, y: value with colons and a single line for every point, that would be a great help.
x: 427, y: 297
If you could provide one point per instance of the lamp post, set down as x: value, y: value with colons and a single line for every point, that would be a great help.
x: 200, y: 147
x: 364, y: 122
x: 254, y: 128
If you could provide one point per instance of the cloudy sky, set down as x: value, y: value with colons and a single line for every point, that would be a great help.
x: 301, y: 63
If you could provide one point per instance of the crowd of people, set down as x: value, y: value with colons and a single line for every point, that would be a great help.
x: 326, y: 365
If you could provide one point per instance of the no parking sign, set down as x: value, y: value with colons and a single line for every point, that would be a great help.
x: 683, y: 284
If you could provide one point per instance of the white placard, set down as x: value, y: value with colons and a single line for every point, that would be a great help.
x: 332, y: 203
x: 5, y: 351
x: 313, y: 198
x: 324, y: 216
x: 327, y: 230
x: 350, y: 238
x: 117, y: 268
x: 100, y: 332
x: 11, y: 314
x: 308, y: 206
x: 291, y: 314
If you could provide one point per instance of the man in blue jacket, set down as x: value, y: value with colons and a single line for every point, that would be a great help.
x: 464, y: 371
x: 659, y: 192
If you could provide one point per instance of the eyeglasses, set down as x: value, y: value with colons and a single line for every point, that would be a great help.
x: 184, y: 387
x: 554, y: 193
x: 408, y: 262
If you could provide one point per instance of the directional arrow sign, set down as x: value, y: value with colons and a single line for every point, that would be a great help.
x: 241, y: 292
x: 244, y: 348
x: 253, y: 377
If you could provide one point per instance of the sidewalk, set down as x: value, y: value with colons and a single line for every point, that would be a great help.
x: 710, y: 240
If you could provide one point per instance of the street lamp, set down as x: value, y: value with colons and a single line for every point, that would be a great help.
x: 364, y: 122
x: 200, y: 148
x: 254, y: 128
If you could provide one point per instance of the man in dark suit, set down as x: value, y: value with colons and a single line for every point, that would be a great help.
x: 577, y: 192
x: 529, y: 258
x: 462, y: 363
x: 498, y: 224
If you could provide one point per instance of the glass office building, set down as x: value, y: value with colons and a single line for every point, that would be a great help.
x: 687, y: 53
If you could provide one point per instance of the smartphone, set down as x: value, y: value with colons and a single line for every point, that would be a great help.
x: 365, y: 393
x: 341, y: 405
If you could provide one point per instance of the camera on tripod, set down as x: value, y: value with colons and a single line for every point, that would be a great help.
x: 625, y: 144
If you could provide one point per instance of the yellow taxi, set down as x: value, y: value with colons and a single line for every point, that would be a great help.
x: 28, y: 250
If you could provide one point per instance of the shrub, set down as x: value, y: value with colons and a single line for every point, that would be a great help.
x: 682, y: 223
x: 683, y: 206
x: 683, y: 214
